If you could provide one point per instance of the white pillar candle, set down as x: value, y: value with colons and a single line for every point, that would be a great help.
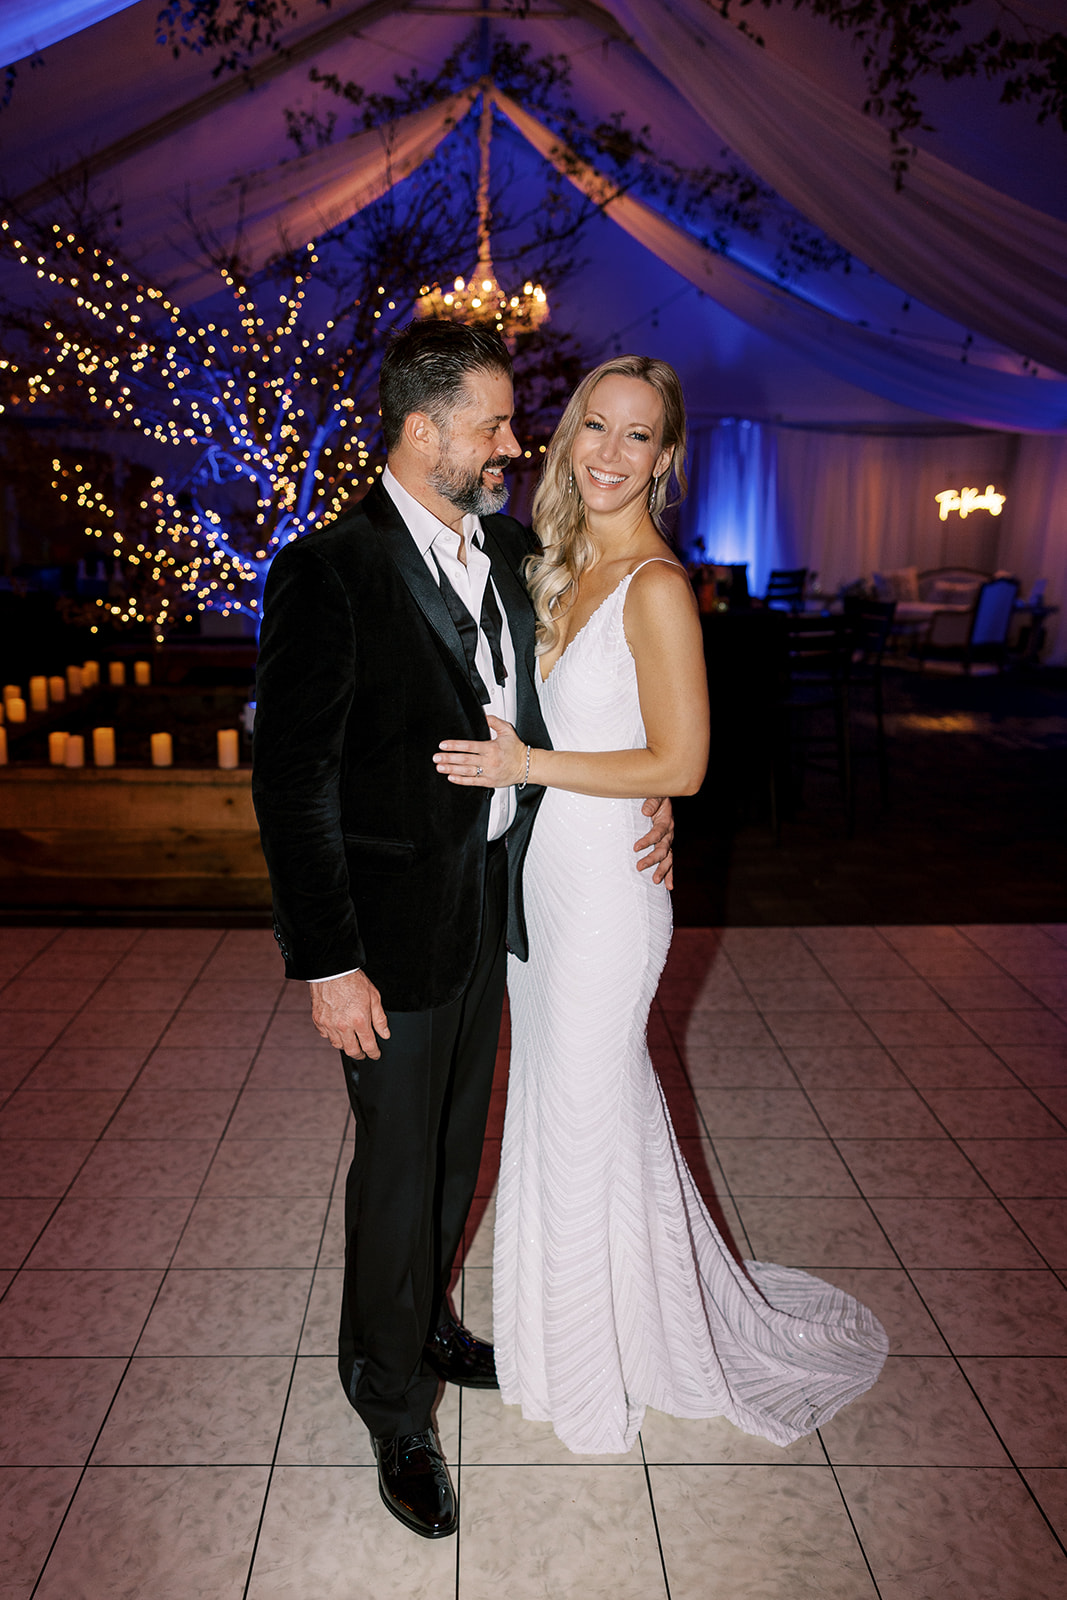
x: 104, y: 747
x: 11, y: 692
x: 90, y: 674
x: 74, y: 754
x: 116, y: 674
x: 57, y: 749
x: 16, y: 709
x: 38, y: 694
x: 3, y: 747
x: 3, y: 711
x: 162, y: 750
x: 227, y: 743
x: 75, y: 683
x: 57, y: 690
x: 142, y: 672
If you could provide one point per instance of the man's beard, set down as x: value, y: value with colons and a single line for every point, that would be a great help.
x: 465, y: 489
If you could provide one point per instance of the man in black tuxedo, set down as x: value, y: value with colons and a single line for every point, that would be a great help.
x: 398, y: 625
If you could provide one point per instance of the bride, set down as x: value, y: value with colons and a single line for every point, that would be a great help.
x: 612, y: 1288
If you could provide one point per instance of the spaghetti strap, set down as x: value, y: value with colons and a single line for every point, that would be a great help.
x: 649, y: 561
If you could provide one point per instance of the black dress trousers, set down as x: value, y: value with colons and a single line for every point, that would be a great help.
x: 420, y: 1114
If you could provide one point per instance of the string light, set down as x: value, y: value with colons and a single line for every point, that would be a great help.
x: 232, y: 396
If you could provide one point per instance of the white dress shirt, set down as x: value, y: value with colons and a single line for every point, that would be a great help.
x: 468, y: 578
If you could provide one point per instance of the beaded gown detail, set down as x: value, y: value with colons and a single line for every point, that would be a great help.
x: 612, y: 1288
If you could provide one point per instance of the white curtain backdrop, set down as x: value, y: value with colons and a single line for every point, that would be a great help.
x: 730, y: 513
x: 848, y: 504
x: 1035, y: 541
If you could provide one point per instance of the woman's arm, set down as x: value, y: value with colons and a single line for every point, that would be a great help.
x: 663, y: 631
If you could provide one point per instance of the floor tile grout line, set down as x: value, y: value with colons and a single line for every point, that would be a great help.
x: 296, y: 1354
x: 851, y: 1519
x: 655, y: 1518
x: 155, y: 1298
x: 95, y: 1142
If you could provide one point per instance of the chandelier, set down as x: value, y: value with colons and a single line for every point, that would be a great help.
x: 479, y: 299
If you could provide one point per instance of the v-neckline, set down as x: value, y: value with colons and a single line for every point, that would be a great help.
x: 575, y: 637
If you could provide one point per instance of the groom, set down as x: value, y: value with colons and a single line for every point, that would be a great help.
x: 394, y: 892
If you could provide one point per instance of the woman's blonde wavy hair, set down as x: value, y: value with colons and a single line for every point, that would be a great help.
x: 558, y: 509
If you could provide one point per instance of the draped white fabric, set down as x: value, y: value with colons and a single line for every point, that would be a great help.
x: 298, y: 200
x: 953, y: 242
x: 27, y: 26
x: 914, y: 377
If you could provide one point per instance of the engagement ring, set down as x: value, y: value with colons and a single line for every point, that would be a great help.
x: 477, y: 772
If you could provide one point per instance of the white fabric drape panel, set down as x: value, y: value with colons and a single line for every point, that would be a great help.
x: 853, y: 504
x: 966, y: 249
x: 1035, y: 542
x: 297, y: 200
x: 730, y: 513
x: 27, y: 26
x: 913, y: 377
x: 847, y: 505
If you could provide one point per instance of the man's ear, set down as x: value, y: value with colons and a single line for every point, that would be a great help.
x: 422, y: 434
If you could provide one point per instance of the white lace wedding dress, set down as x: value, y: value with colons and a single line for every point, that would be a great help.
x: 612, y: 1287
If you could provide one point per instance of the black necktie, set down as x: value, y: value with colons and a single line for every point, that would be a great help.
x: 467, y: 629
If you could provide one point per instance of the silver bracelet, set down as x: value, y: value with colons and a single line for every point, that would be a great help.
x: 526, y: 778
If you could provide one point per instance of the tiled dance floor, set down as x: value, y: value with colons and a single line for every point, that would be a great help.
x: 885, y: 1106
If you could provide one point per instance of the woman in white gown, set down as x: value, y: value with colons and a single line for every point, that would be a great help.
x: 612, y: 1288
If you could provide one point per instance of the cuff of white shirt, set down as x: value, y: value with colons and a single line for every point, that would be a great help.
x: 334, y: 975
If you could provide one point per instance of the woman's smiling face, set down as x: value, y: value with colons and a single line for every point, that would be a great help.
x: 616, y: 451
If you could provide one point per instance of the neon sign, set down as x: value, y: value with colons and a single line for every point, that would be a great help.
x: 967, y: 500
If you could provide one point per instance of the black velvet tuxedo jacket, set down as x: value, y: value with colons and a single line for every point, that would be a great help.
x: 375, y: 860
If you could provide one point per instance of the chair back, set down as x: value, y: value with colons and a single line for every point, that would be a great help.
x: 785, y: 587
x: 870, y: 623
x: 817, y: 648
x: 992, y: 611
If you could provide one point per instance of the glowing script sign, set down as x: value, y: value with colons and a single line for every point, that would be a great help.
x: 967, y: 500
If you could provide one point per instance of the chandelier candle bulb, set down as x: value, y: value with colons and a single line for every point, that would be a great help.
x: 104, y: 746
x: 39, y: 694
x: 57, y: 690
x: 74, y: 753
x: 75, y: 684
x: 142, y: 672
x: 162, y: 750
x: 116, y: 674
x: 227, y: 746
x: 57, y: 749
x: 16, y: 709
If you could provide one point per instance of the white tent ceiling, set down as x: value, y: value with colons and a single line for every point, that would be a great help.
x: 976, y: 240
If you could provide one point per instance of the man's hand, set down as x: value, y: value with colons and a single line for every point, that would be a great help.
x: 658, y: 841
x: 348, y: 1011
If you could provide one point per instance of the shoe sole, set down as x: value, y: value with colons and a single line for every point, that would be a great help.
x: 412, y: 1526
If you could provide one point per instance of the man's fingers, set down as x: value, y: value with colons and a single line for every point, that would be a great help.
x: 379, y: 1019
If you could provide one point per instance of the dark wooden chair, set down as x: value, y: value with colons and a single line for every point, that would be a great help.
x: 816, y: 660
x: 785, y: 588
x: 870, y: 623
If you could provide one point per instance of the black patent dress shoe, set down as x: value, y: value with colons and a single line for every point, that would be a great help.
x: 457, y: 1356
x: 414, y: 1484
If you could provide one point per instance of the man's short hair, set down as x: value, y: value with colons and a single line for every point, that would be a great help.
x: 425, y: 368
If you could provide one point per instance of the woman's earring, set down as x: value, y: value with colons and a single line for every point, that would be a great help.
x: 570, y: 481
x: 653, y: 486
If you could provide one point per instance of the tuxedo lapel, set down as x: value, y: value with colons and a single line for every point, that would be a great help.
x: 516, y: 603
x: 401, y: 549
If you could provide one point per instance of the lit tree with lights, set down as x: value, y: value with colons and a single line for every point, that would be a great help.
x: 262, y: 405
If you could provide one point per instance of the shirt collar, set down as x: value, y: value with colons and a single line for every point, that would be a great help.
x: 423, y: 526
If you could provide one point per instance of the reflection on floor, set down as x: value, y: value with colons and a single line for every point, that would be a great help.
x: 887, y: 1107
